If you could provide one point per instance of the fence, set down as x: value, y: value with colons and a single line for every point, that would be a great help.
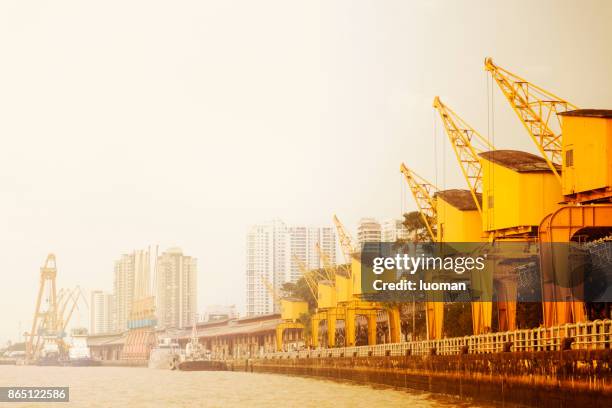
x: 593, y: 335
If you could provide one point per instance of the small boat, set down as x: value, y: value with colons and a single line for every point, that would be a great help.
x: 79, y: 354
x: 197, y: 358
x: 166, y: 355
x: 50, y: 354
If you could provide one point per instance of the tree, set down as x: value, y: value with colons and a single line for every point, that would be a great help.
x: 414, y: 223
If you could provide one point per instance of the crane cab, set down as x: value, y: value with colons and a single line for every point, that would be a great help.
x: 458, y: 218
x: 587, y: 154
x: 519, y: 190
x: 293, y: 308
x: 326, y: 294
x: 344, y: 285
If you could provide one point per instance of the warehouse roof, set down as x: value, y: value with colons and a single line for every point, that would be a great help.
x: 517, y: 160
x: 106, y: 339
x: 589, y: 113
x: 460, y: 199
x: 263, y: 323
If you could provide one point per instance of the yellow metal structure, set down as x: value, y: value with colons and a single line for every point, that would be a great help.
x: 565, y: 225
x: 464, y: 140
x: 346, y: 242
x: 45, y: 321
x: 587, y: 155
x: 423, y: 192
x: 519, y: 191
x: 326, y: 295
x: 280, y: 329
x: 344, y: 286
x: 457, y: 217
x: 537, y: 109
x: 309, y: 277
x: 73, y: 296
x: 292, y: 309
x: 328, y: 267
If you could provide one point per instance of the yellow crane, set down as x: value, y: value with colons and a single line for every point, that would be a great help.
x: 423, y: 192
x: 464, y: 140
x: 537, y: 109
x: 467, y: 144
x: 52, y: 313
x: 291, y: 310
x: 44, y: 322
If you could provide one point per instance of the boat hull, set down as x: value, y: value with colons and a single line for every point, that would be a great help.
x: 202, y: 365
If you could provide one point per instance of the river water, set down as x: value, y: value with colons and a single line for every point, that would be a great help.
x: 143, y: 387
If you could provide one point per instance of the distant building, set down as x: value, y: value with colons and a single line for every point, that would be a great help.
x: 102, y: 311
x: 270, y: 251
x: 176, y: 289
x: 303, y: 241
x: 392, y: 230
x: 368, y: 230
x: 132, y: 282
x: 267, y: 265
x: 219, y: 312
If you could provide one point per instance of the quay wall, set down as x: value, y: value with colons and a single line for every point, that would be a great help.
x: 124, y: 363
x: 573, y: 378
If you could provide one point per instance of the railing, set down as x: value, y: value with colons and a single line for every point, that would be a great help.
x: 593, y: 335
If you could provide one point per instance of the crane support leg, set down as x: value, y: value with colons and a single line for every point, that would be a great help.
x: 331, y: 330
x: 279, y: 337
x: 314, y: 330
x: 349, y: 327
x: 435, y: 319
x: 371, y: 328
x: 395, y: 327
x: 481, y: 317
x: 506, y: 305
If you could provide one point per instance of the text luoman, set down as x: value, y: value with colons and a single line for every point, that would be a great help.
x: 404, y: 284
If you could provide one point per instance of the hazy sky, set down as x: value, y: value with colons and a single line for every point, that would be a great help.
x: 125, y: 124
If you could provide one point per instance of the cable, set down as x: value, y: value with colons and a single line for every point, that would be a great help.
x: 435, y: 138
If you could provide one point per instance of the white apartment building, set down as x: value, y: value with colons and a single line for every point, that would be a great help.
x: 303, y: 246
x: 176, y: 289
x: 102, y: 311
x: 269, y: 264
x: 368, y: 230
x: 392, y: 230
x: 132, y: 282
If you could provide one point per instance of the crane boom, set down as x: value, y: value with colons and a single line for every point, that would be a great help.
x: 422, y: 191
x: 345, y: 240
x: 463, y: 139
x: 271, y: 290
x: 327, y: 265
x: 312, y: 284
x: 537, y: 109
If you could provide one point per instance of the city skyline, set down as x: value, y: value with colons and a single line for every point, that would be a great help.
x: 172, y: 282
